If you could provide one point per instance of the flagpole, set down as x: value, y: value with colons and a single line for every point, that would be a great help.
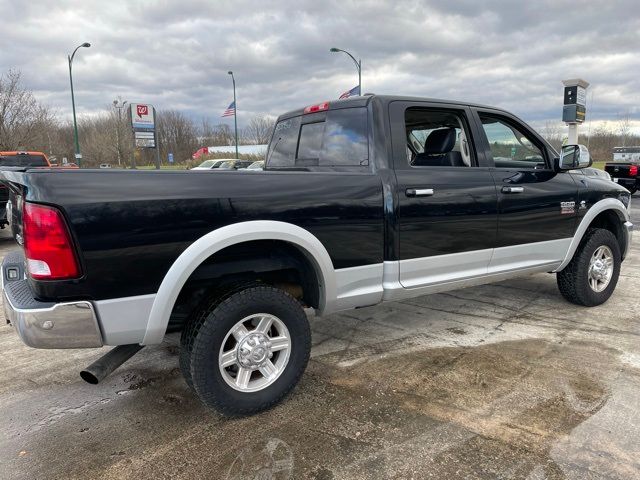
x: 235, y: 110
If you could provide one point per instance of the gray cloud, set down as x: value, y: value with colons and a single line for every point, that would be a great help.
x: 176, y: 54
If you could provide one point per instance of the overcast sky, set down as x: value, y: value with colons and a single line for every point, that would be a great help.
x: 176, y: 55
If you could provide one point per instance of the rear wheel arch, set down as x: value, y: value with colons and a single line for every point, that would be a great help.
x: 268, y: 262
x: 197, y: 254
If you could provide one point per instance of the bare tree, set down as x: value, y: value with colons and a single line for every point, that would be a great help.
x: 177, y: 134
x: 23, y: 121
x: 624, y: 127
x: 553, y: 133
x: 221, y: 135
x: 258, y: 132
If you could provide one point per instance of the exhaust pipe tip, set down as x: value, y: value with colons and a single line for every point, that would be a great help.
x: 105, y: 365
x: 89, y: 377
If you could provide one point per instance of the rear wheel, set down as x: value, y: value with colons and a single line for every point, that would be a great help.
x: 195, y: 322
x: 249, y: 351
x: 592, y: 275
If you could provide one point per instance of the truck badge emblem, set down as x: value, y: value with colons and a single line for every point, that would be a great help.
x: 567, y: 208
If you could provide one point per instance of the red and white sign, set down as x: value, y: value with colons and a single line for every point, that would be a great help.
x: 142, y: 116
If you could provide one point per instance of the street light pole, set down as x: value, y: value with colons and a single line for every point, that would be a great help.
x: 119, y: 105
x: 235, y: 110
x: 73, y: 104
x: 358, y: 66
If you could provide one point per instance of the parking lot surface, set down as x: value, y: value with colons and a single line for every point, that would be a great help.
x: 499, y: 381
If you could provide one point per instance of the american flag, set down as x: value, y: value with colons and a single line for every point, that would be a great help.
x: 230, y: 111
x: 354, y: 91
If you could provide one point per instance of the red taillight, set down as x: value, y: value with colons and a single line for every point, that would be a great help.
x: 47, y: 244
x: 633, y: 170
x: 317, y: 108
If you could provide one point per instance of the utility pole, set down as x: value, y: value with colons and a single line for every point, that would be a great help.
x: 73, y: 103
x: 235, y: 110
x: 118, y: 104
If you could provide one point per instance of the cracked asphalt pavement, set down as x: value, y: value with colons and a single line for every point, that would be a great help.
x: 500, y: 381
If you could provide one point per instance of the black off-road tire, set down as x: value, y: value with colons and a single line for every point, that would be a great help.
x: 190, y: 329
x: 573, y: 281
x: 206, y: 341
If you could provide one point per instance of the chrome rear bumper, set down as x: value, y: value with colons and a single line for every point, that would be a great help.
x: 48, y: 325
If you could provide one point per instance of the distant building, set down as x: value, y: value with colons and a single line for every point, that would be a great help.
x: 626, y: 154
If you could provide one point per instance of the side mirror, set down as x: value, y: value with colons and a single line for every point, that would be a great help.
x: 572, y: 157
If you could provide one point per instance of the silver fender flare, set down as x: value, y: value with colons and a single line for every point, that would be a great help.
x: 222, y: 238
x: 596, y: 209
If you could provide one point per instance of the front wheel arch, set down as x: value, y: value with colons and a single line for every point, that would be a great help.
x: 610, y: 214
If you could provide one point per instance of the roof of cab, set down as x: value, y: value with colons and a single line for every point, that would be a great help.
x: 364, y: 100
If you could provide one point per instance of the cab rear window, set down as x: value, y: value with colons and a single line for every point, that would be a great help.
x: 335, y: 139
x: 23, y: 160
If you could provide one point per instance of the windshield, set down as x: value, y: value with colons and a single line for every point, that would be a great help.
x: 23, y: 160
x: 207, y: 163
x: 227, y: 165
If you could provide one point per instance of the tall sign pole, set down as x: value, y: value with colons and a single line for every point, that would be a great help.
x: 235, y: 110
x: 574, y: 110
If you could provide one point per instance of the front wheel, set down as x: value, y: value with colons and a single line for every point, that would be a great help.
x: 592, y: 275
x: 250, y: 351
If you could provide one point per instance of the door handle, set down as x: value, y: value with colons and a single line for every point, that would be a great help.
x: 512, y: 189
x: 419, y: 192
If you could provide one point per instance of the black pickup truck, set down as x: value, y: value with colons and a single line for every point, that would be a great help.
x: 362, y: 200
x: 625, y: 174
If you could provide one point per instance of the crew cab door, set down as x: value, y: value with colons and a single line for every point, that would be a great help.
x: 447, y: 203
x: 537, y: 207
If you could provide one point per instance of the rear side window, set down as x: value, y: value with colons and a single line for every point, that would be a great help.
x: 23, y: 160
x: 284, y: 143
x: 337, y: 140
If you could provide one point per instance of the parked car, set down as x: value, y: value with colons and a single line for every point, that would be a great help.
x: 209, y: 164
x: 105, y: 165
x: 363, y: 200
x: 259, y: 165
x: 235, y: 164
x: 625, y: 174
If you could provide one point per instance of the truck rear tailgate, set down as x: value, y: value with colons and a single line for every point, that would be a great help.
x: 621, y: 170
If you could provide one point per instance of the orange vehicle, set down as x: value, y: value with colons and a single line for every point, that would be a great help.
x: 29, y: 159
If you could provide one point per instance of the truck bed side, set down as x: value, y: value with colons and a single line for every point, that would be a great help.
x: 129, y: 227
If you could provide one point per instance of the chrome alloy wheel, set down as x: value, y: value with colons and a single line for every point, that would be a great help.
x: 600, y: 268
x: 255, y: 352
